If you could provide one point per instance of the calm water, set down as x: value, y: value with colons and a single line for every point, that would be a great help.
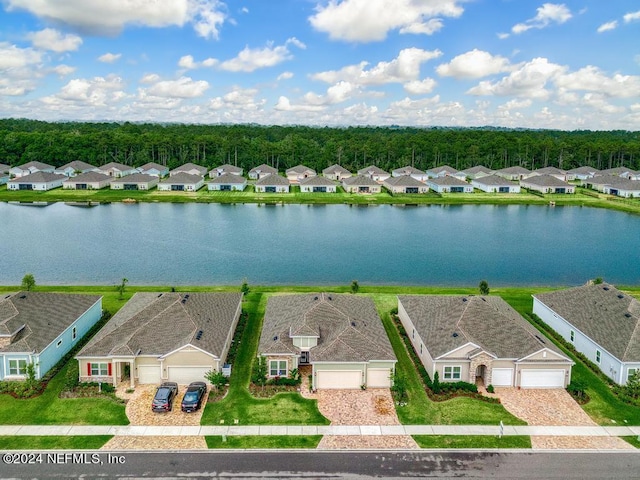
x: 191, y: 244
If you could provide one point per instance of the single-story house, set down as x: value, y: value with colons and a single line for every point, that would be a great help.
x: 405, y: 184
x: 227, y: 182
x: 317, y: 185
x: 600, y: 321
x: 40, y: 328
x: 495, y: 184
x: 260, y: 171
x: 272, y: 183
x: 137, y: 181
x: 40, y: 181
x: 361, y: 184
x: 419, y: 175
x: 445, y: 171
x: 76, y: 167
x: 181, y: 182
x: 623, y: 172
x: 449, y: 184
x: 155, y: 169
x: 599, y: 182
x: 374, y: 173
x: 477, y: 172
x: 623, y: 188
x: 340, y: 336
x: 336, y: 172
x: 553, y: 171
x: 547, y: 184
x: 4, y: 168
x: 176, y: 337
x: 481, y: 338
x: 298, y: 173
x: 4, y: 173
x: 87, y: 181
x: 189, y: 168
x: 117, y: 170
x: 581, y: 173
x: 225, y: 169
x: 29, y: 168
x: 513, y: 173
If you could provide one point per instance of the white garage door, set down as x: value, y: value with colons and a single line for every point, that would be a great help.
x: 339, y: 379
x: 542, y: 378
x: 379, y: 378
x: 149, y: 374
x: 186, y: 375
x: 502, y: 377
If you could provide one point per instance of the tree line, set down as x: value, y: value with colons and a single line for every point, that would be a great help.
x: 317, y: 147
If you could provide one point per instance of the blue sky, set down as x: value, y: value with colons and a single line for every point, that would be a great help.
x: 510, y: 63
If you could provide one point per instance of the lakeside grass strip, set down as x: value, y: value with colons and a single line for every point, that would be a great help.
x: 262, y: 441
x: 472, y: 441
x: 82, y: 442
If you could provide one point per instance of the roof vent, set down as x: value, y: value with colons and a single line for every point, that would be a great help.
x: 183, y: 301
x: 539, y: 338
x: 454, y: 334
x: 620, y: 296
x: 315, y: 298
x: 483, y: 299
x: 353, y: 324
x: 329, y: 297
x: 23, y: 296
x: 605, y: 288
x: 159, y: 295
x: 464, y: 299
x: 186, y: 296
x: 628, y: 315
x: 275, y: 338
x: 199, y: 334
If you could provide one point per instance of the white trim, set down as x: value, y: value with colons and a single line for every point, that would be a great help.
x: 542, y: 350
x: 485, y: 352
x: 185, y: 346
x: 452, y: 367
x: 458, y: 348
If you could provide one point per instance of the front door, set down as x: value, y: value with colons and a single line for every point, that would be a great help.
x: 304, y: 358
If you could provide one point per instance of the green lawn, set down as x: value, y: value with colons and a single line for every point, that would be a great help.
x: 635, y: 441
x: 472, y: 441
x: 88, y: 442
x: 263, y: 441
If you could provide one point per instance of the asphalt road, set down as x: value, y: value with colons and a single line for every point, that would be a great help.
x: 318, y: 465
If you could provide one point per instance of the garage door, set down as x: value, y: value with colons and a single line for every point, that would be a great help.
x: 542, y: 378
x: 186, y: 375
x: 148, y: 373
x: 339, y: 379
x: 502, y: 377
x: 379, y: 378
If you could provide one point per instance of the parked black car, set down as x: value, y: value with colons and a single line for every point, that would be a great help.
x: 192, y: 399
x: 165, y: 394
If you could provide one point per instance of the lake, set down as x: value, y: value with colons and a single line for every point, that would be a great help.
x: 206, y: 244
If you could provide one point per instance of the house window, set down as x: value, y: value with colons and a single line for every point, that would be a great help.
x: 74, y: 333
x: 58, y: 343
x: 572, y: 335
x: 631, y: 372
x: 598, y: 355
x: 452, y: 373
x: 277, y: 368
x: 17, y: 367
x: 99, y: 370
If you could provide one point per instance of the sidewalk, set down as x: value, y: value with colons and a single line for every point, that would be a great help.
x: 237, y: 430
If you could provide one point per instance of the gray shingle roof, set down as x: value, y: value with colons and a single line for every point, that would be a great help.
x: 152, y: 165
x: 616, y: 171
x: 600, y: 313
x: 264, y: 168
x: 404, y: 181
x: 348, y: 327
x: 584, y: 170
x: 77, y: 165
x: 549, y: 171
x: 448, y: 180
x: 360, y: 180
x: 227, y: 178
x: 408, y: 170
x: 228, y: 168
x: 116, y: 166
x: 157, y: 324
x: 4, y: 168
x: 272, y: 179
x: 494, y: 180
x: 44, y: 316
x: 36, y: 164
x: 513, y: 171
x: 190, y: 166
x: 444, y: 168
x: 89, y: 177
x: 300, y: 169
x: 545, y: 181
x: 136, y: 178
x: 477, y: 169
x: 182, y: 178
x: 615, y: 181
x: 372, y: 170
x: 39, y: 177
x: 317, y: 182
x: 447, y: 322
x: 335, y: 169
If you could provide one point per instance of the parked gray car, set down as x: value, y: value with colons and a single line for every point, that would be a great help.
x: 164, y: 397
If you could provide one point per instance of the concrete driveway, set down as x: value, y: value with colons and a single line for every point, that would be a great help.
x: 139, y: 412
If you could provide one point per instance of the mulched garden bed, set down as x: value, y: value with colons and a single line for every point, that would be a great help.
x: 270, y: 390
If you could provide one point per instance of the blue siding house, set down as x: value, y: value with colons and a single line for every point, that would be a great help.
x: 40, y: 328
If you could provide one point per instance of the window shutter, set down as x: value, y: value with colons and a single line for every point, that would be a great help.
x: 89, y: 369
x: 109, y: 369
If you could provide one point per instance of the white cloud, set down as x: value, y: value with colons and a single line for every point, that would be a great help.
x: 605, y: 27
x: 371, y: 20
x: 474, y: 64
x: 630, y: 17
x: 285, y: 76
x: 404, y: 68
x: 82, y: 92
x: 547, y: 14
x: 285, y: 105
x: 420, y: 87
x: 187, y: 62
x: 109, y: 57
x: 150, y: 78
x: 515, y: 104
x: 503, y: 36
x: 63, y: 70
x: 593, y: 79
x: 249, y: 60
x: 183, y: 87
x: 12, y: 56
x: 50, y: 39
x: 337, y: 93
x: 111, y: 17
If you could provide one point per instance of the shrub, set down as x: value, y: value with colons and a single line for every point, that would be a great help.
x: 578, y: 390
x: 217, y: 379
x: 435, y: 385
x: 490, y: 389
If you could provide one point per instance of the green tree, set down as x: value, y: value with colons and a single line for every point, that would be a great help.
x: 245, y: 287
x: 483, y: 287
x: 355, y: 287
x: 28, y: 282
x: 216, y: 378
x: 259, y: 374
x: 597, y: 280
x: 399, y: 388
x: 435, y: 385
x: 632, y: 387
x: 121, y: 288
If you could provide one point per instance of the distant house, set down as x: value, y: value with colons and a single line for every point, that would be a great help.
x: 621, y: 187
x: 317, y: 185
x: 260, y: 171
x: 176, y: 337
x: 41, y: 181
x: 599, y: 182
x: 600, y: 321
x: 181, y: 182
x: 87, y: 181
x: 4, y: 173
x: 272, y: 183
x: 471, y: 338
x: 448, y: 184
x: 29, y: 168
x: 227, y: 182
x: 477, y: 172
x: 581, y: 173
x: 117, y: 170
x: 513, y: 173
x: 137, y: 181
x: 189, y: 168
x: 298, y: 173
x: 620, y: 172
x: 374, y: 173
x: 4, y: 168
x: 76, y: 167
x: 154, y: 169
x: 340, y: 336
x: 225, y: 169
x: 553, y: 171
x: 361, y: 184
x: 547, y: 184
x: 442, y: 171
x: 405, y: 184
x: 336, y: 172
x: 495, y: 184
x: 39, y: 328
x: 419, y: 175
